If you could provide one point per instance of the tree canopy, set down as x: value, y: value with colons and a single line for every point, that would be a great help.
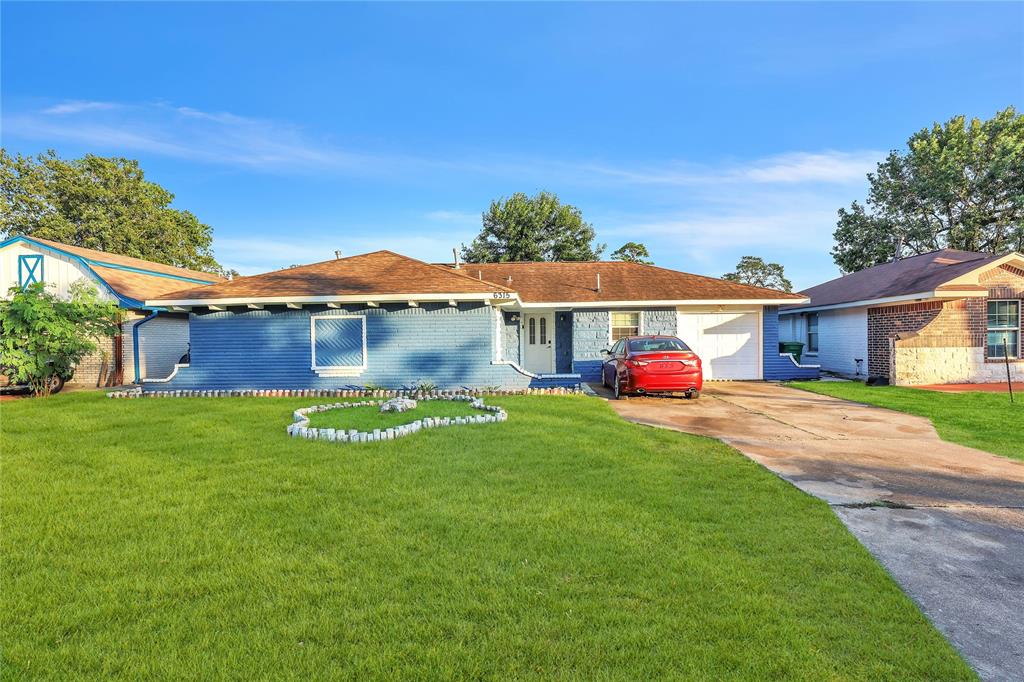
x: 100, y: 203
x: 42, y: 334
x: 537, y: 228
x: 756, y: 272
x: 959, y: 185
x: 633, y: 252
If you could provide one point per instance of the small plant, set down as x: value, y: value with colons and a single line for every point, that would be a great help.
x: 370, y: 386
x: 43, y: 335
x: 425, y: 386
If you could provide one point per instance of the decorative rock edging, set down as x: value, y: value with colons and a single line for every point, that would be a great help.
x: 300, y: 428
x: 137, y: 392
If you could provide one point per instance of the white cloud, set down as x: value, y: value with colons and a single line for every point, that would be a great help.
x: 464, y: 219
x: 77, y: 106
x: 227, y: 138
x: 831, y: 167
x: 181, y: 132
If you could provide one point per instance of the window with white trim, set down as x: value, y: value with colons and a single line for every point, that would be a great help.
x: 1003, y: 329
x: 338, y: 342
x: 624, y: 324
x: 812, y: 332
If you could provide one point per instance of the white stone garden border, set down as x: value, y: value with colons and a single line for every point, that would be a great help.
x: 300, y: 427
x: 137, y: 392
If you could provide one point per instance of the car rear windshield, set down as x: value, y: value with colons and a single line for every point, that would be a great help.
x: 654, y: 345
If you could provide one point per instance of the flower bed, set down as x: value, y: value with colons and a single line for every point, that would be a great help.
x: 300, y: 427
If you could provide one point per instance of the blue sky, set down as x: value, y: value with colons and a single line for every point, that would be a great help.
x: 708, y: 132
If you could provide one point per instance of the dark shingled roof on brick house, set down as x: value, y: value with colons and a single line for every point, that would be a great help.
x: 917, y: 274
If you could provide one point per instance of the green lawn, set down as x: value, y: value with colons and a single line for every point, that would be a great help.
x: 191, y: 538
x: 370, y: 417
x: 986, y: 421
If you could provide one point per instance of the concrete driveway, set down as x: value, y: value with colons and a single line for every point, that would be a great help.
x: 947, y: 521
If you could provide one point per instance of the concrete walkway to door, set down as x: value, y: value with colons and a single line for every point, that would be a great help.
x: 947, y: 521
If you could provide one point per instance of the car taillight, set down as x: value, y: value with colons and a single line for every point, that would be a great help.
x: 636, y: 363
x: 691, y: 363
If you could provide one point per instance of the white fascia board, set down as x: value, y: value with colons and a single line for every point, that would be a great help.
x: 667, y: 303
x: 923, y: 297
x: 281, y: 300
x: 1015, y: 259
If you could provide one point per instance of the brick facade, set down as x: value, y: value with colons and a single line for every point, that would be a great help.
x: 957, y: 328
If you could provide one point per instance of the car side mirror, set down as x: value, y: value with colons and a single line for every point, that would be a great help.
x: 605, y: 351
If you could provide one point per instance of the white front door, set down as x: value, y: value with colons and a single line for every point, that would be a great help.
x: 539, y: 342
x: 728, y: 343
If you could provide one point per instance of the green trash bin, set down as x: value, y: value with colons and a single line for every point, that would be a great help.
x: 794, y: 347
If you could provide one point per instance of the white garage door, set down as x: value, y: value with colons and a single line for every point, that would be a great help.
x: 728, y: 343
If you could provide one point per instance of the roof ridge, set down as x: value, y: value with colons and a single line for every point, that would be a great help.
x: 443, y: 268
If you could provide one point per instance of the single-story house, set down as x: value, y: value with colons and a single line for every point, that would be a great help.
x: 124, y: 280
x: 941, y: 317
x: 388, y: 320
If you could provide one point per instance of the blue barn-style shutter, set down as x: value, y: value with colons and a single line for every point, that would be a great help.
x: 30, y: 270
x: 338, y: 342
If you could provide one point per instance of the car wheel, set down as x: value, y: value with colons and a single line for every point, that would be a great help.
x: 604, y: 377
x: 54, y: 383
x: 692, y: 395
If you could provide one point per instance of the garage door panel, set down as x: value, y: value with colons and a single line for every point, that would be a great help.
x: 728, y: 343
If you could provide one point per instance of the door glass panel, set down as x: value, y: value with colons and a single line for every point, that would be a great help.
x: 532, y: 324
x: 543, y: 330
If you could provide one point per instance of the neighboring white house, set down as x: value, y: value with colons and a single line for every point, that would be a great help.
x: 941, y: 317
x: 162, y: 337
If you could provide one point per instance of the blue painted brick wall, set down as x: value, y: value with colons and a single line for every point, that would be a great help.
x: 589, y: 337
x: 258, y: 349
x: 778, y: 367
x: 660, y: 321
x: 563, y: 341
x: 510, y: 336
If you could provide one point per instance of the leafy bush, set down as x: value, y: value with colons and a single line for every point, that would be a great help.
x: 42, y: 334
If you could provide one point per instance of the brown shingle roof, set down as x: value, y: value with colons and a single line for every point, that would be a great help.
x: 576, y: 282
x: 917, y: 274
x: 128, y: 261
x: 136, y: 284
x: 370, y: 274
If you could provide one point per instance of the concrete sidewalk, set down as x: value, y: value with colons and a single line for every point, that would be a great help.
x: 947, y: 521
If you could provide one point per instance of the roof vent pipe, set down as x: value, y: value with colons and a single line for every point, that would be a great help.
x: 509, y: 280
x: 337, y: 254
x: 455, y: 254
x: 599, y: 282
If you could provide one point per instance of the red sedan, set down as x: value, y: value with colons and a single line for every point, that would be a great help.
x: 652, y: 364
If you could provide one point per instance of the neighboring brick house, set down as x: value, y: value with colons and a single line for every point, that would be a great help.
x: 388, y: 320
x: 942, y: 317
x: 162, y: 337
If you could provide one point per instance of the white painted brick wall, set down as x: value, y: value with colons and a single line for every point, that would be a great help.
x: 842, y: 337
x: 920, y: 366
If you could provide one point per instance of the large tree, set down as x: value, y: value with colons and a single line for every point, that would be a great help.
x: 756, y: 272
x: 100, y: 203
x: 958, y: 185
x: 633, y: 252
x: 537, y: 228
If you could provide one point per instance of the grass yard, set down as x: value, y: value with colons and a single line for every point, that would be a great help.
x: 191, y: 538
x: 370, y: 417
x: 986, y: 421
